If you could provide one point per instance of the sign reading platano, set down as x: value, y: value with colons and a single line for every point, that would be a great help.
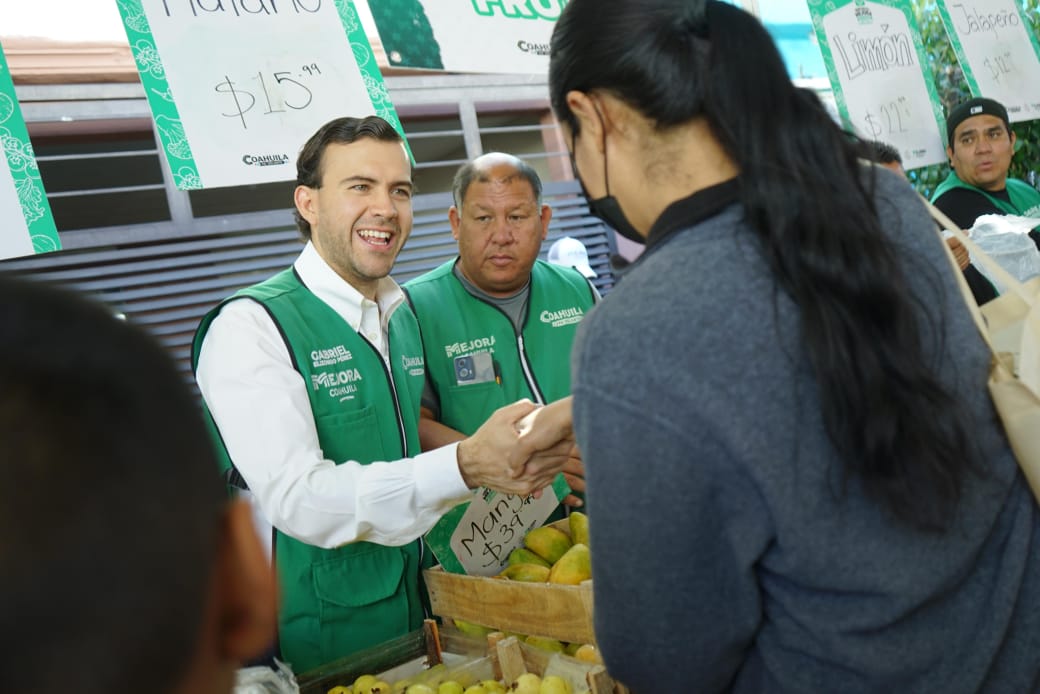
x: 501, y: 36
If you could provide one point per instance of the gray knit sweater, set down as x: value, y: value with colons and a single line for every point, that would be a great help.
x: 726, y: 554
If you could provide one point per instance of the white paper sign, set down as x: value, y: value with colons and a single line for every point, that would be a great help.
x: 500, y: 36
x: 998, y: 52
x: 237, y: 86
x: 477, y: 536
x: 874, y: 59
x: 26, y: 224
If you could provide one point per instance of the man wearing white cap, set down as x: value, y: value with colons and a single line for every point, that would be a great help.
x: 497, y: 323
x: 570, y: 252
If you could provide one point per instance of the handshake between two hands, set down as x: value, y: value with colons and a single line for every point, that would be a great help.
x: 521, y: 448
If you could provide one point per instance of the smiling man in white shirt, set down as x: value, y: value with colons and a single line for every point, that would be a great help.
x: 313, y: 379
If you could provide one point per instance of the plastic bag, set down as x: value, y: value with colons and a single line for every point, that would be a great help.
x: 1005, y: 239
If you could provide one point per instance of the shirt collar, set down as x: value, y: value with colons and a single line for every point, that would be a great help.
x: 340, y: 295
x: 688, y: 211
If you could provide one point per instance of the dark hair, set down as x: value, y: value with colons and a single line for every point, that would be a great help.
x: 341, y: 131
x: 110, y: 506
x: 882, y: 152
x: 477, y: 170
x: 800, y: 179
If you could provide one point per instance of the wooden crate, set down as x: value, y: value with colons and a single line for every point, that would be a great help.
x: 557, y: 611
x: 512, y: 659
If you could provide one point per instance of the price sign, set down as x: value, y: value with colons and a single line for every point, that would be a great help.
x: 26, y: 224
x: 237, y: 86
x: 874, y: 58
x: 997, y: 51
x: 502, y: 36
x: 477, y: 536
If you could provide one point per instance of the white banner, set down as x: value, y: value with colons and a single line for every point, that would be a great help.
x: 26, y: 224
x: 499, y: 36
x: 998, y: 53
x: 237, y: 86
x: 874, y: 58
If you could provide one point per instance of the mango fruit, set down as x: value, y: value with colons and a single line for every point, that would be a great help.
x: 579, y: 525
x: 573, y: 567
x: 545, y: 643
x: 554, y: 685
x: 471, y: 629
x: 527, y: 683
x: 531, y: 573
x: 588, y: 653
x: 547, y: 542
x: 522, y: 555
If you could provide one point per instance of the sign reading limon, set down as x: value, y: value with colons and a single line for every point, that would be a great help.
x: 998, y: 52
x: 26, y: 223
x: 875, y: 61
x: 237, y: 86
x: 501, y: 36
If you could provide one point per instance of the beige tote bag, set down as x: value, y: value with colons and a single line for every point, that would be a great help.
x: 1010, y: 326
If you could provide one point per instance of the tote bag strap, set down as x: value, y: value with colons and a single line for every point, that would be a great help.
x: 969, y: 298
x: 980, y: 256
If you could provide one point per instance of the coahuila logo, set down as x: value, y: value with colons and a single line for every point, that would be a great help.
x: 330, y: 356
x: 482, y: 343
x: 535, y: 48
x: 562, y: 317
x: 521, y: 9
x: 340, y: 384
x: 415, y: 365
x: 265, y: 159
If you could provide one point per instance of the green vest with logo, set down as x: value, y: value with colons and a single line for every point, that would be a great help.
x: 338, y: 601
x: 1025, y: 199
x: 457, y: 327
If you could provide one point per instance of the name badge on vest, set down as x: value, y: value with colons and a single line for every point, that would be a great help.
x: 474, y: 368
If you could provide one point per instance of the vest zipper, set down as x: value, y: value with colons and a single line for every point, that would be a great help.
x: 393, y: 390
x: 528, y: 373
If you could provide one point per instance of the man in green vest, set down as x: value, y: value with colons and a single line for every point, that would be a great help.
x: 512, y: 317
x: 980, y: 146
x: 313, y: 380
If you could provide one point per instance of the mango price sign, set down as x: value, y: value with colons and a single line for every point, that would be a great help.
x: 477, y: 536
x: 237, y: 86
x: 499, y: 36
x: 26, y: 223
x: 875, y: 57
x: 998, y: 53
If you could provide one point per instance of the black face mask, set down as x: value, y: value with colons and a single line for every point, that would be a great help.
x: 607, y: 207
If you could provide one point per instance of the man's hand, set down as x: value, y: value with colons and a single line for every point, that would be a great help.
x: 516, y: 453
x: 960, y: 253
x: 574, y: 473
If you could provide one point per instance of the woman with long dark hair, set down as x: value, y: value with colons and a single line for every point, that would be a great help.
x: 796, y: 478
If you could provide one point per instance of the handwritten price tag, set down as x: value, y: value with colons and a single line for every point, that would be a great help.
x: 237, y: 86
x: 997, y: 51
x: 871, y: 50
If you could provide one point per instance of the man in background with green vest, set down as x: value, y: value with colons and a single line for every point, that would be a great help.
x: 980, y: 146
x: 313, y: 380
x: 497, y: 323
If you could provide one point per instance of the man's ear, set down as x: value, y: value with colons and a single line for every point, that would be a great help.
x: 1012, y: 134
x: 247, y: 593
x: 453, y: 217
x: 949, y: 155
x: 305, y: 199
x: 546, y: 217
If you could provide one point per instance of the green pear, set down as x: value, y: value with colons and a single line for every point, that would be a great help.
x: 554, y: 685
x: 450, y: 687
x: 527, y: 683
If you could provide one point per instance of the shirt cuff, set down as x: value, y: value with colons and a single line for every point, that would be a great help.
x: 438, y: 480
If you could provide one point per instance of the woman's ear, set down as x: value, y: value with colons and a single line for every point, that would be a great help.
x: 590, y: 121
x: 247, y: 591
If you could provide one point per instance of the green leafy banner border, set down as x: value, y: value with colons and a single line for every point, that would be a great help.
x: 21, y: 161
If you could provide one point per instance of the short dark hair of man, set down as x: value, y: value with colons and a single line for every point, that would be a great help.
x: 475, y: 171
x: 882, y: 152
x: 341, y: 131
x: 974, y: 107
x: 110, y: 508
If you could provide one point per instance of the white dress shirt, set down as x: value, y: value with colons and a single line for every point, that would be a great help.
x: 260, y: 405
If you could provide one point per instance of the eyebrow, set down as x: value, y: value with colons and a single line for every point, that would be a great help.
x: 368, y: 179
